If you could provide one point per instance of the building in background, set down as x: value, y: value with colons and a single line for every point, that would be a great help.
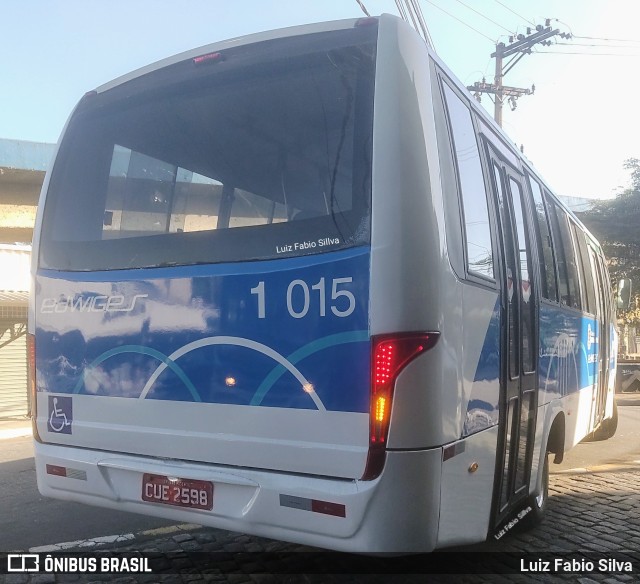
x: 22, y: 169
x: 14, y: 295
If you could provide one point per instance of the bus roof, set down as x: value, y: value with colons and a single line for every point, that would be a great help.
x: 230, y: 43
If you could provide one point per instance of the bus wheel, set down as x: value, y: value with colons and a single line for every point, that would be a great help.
x: 538, y: 502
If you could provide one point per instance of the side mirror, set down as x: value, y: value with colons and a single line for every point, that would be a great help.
x: 623, y: 299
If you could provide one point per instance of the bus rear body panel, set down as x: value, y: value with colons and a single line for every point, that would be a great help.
x: 245, y: 358
x: 202, y: 310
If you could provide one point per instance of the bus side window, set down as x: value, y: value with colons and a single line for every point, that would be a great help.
x: 564, y: 294
x: 472, y: 187
x: 584, y: 267
x: 549, y: 287
x: 566, y: 256
x: 527, y: 307
x: 571, y: 259
x: 511, y: 272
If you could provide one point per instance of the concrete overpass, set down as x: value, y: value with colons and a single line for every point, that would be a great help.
x: 22, y: 169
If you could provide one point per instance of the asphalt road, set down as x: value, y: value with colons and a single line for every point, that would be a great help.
x: 620, y: 450
x: 28, y: 520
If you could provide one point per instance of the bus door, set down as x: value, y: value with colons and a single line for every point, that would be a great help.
x: 518, y: 395
x: 602, y: 337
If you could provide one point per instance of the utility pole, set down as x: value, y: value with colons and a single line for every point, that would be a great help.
x: 519, y: 47
x: 497, y: 79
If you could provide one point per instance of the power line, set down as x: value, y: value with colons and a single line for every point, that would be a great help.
x: 519, y: 46
x: 423, y: 23
x: 587, y: 54
x: 599, y: 45
x: 401, y: 11
x: 483, y: 16
x: 460, y: 21
x: 514, y: 12
x: 606, y: 39
x: 563, y: 24
x: 363, y: 7
x: 411, y: 13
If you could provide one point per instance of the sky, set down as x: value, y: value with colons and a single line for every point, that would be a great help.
x: 577, y: 129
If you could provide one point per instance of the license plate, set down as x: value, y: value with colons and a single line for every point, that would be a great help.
x: 190, y: 493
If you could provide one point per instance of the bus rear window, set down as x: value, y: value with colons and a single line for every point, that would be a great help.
x: 264, y: 154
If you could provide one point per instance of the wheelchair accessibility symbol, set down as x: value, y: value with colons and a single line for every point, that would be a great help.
x: 60, y: 414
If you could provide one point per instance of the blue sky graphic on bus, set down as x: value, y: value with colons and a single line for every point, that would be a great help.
x: 568, y: 362
x: 568, y: 350
x: 483, y: 406
x: 247, y: 334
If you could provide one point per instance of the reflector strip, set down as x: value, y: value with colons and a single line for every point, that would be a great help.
x: 58, y: 471
x: 327, y: 508
x: 73, y: 473
x: 453, y: 450
x: 313, y: 505
x: 69, y: 473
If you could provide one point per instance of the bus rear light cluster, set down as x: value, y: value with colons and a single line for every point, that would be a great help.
x: 208, y: 59
x: 390, y: 355
x: 368, y: 21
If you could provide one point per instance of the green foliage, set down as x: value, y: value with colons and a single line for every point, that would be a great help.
x: 631, y: 316
x: 616, y: 224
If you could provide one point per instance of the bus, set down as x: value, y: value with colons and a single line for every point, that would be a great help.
x: 299, y: 285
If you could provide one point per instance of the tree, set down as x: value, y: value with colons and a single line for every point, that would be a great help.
x: 616, y: 224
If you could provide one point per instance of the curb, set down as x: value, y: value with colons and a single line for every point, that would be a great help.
x: 116, y: 540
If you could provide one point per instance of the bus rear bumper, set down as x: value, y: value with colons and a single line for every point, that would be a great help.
x: 396, y: 513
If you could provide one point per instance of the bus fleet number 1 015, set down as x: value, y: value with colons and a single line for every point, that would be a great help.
x: 301, y: 296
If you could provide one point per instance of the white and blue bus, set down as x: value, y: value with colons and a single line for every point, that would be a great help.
x: 299, y: 285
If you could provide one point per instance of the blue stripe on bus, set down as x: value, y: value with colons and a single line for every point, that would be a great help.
x: 568, y: 350
x: 484, y: 399
x: 137, y: 349
x: 307, y: 350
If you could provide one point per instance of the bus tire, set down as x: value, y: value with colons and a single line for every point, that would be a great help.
x: 538, y: 501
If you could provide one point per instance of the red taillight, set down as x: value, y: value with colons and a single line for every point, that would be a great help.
x: 58, y: 471
x: 389, y: 356
x: 209, y: 58
x: 368, y: 21
x: 31, y: 383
